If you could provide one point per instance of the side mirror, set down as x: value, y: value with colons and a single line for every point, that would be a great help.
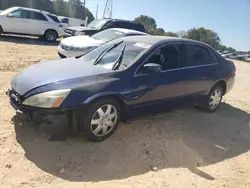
x: 10, y: 15
x: 152, y: 67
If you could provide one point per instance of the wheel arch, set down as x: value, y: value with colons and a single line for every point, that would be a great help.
x: 50, y: 30
x: 123, y: 103
x: 222, y: 83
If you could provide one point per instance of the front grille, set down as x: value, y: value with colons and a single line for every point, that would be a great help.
x: 65, y: 47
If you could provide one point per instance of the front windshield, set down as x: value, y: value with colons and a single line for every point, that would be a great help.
x: 132, y: 51
x: 97, y: 23
x: 108, y: 35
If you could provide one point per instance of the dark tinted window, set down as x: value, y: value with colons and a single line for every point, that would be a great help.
x: 196, y: 55
x: 54, y: 18
x: 65, y: 20
x: 128, y: 25
x: 36, y: 16
x: 169, y: 57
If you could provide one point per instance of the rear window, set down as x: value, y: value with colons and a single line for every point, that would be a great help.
x: 54, y: 18
x: 196, y: 55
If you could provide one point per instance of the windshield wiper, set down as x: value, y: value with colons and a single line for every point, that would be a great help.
x: 104, y: 52
x: 119, y: 59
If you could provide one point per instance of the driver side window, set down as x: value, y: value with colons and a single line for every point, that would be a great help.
x: 20, y: 14
x: 169, y: 57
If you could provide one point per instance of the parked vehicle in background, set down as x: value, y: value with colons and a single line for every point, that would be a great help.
x: 123, y: 78
x: 241, y: 57
x: 226, y: 55
x: 70, y: 22
x: 233, y: 55
x: 78, y: 45
x: 27, y: 21
x: 102, y: 24
x: 246, y: 58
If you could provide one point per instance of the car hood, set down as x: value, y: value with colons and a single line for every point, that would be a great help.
x: 53, y: 71
x: 83, y: 29
x: 81, y: 41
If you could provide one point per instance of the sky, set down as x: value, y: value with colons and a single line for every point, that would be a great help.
x: 229, y: 18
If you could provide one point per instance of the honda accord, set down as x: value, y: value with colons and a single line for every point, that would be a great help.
x: 124, y: 78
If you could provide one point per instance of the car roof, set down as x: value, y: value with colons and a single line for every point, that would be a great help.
x: 35, y: 10
x: 159, y: 39
x: 128, y: 31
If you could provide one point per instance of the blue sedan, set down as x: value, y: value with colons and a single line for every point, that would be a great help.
x: 121, y: 79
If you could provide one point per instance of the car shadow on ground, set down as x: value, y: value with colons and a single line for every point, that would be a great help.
x: 182, y: 138
x: 27, y: 40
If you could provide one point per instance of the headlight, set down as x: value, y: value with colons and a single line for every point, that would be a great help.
x: 50, y: 99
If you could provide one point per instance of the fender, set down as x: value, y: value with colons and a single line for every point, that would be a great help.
x: 124, y: 97
x: 215, y: 82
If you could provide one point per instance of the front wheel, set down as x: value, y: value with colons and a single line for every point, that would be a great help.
x: 50, y: 36
x: 213, y: 99
x: 101, y: 119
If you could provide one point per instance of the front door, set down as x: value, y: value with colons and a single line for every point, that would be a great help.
x: 18, y: 23
x: 157, y: 88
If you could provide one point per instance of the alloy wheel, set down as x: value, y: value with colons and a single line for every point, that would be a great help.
x: 104, y: 120
x: 215, y: 98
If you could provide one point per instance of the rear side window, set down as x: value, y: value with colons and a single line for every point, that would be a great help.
x: 196, y: 55
x: 36, y: 16
x: 54, y: 18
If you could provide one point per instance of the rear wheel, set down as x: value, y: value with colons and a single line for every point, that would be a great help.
x: 101, y: 119
x: 50, y: 35
x: 213, y: 99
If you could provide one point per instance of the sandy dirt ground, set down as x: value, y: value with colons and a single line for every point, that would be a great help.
x: 182, y: 148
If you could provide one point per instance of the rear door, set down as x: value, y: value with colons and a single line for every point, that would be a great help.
x: 200, y: 68
x: 38, y: 23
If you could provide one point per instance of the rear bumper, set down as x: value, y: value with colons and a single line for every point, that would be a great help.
x: 230, y: 83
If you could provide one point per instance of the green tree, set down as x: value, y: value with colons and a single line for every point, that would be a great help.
x: 204, y: 35
x: 171, y: 34
x: 230, y: 49
x: 158, y: 31
x: 148, y: 22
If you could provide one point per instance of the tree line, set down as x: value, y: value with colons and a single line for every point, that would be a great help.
x: 201, y: 34
x: 70, y: 8
x: 74, y: 8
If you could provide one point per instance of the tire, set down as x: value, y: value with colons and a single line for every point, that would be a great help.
x: 50, y: 35
x: 215, y: 94
x: 108, y: 122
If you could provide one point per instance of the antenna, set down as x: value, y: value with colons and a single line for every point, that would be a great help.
x: 108, y: 9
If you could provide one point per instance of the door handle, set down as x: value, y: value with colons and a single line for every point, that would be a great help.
x: 214, y: 70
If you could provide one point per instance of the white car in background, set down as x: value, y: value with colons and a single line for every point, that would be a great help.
x: 20, y: 20
x: 247, y: 58
x: 79, y: 45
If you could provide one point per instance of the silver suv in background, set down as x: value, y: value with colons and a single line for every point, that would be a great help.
x: 27, y: 21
